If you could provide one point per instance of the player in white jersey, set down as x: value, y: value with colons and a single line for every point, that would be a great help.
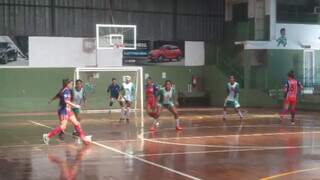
x: 232, y: 99
x: 127, y: 96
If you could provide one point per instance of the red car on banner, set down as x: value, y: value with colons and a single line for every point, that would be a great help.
x: 165, y: 52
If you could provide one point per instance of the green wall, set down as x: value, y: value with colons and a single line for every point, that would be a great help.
x: 280, y: 62
x: 215, y: 81
x: 272, y: 74
x: 29, y: 89
x: 180, y: 75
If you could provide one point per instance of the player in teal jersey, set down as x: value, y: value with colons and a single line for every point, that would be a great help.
x: 167, y: 99
x: 232, y: 99
x: 79, y: 97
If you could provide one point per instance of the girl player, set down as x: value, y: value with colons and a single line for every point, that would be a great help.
x: 290, y: 96
x: 78, y: 98
x: 152, y: 106
x: 128, y: 93
x: 65, y: 114
x: 167, y: 100
x: 232, y: 99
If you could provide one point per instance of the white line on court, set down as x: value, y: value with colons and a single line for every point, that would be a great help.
x: 131, y: 156
x: 223, y: 151
x: 229, y: 146
x: 237, y: 126
x: 39, y: 124
x: 239, y: 135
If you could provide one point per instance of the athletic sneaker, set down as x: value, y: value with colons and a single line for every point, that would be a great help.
x: 45, y: 139
x: 293, y: 123
x: 87, y: 140
x: 158, y: 124
x: 178, y: 128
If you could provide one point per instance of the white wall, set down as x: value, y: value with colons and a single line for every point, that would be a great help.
x: 300, y: 33
x: 298, y: 36
x: 60, y: 52
x: 194, y: 53
x: 109, y: 57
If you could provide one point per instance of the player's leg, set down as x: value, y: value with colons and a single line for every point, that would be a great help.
x: 76, y: 112
x: 61, y: 134
x: 57, y: 130
x: 152, y: 108
x: 127, y: 110
x: 154, y: 113
x: 112, y: 100
x: 225, y: 105
x: 174, y: 111
x: 237, y: 109
x: 123, y: 109
x: 293, y: 111
x: 77, y: 126
x: 285, y: 109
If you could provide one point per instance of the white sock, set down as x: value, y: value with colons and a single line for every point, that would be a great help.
x: 224, y: 114
x: 178, y: 122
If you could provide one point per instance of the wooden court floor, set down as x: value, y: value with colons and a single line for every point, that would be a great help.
x: 259, y: 147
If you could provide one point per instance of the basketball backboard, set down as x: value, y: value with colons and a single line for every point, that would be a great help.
x: 110, y: 36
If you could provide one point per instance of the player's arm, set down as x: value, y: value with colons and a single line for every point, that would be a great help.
x: 84, y: 97
x: 175, y: 97
x: 121, y: 93
x: 72, y: 104
x: 300, y: 87
x: 54, y: 98
x: 227, y: 90
x: 237, y: 92
x: 156, y: 90
x: 159, y: 94
x: 286, y: 87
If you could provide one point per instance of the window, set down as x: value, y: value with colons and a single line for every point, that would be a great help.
x: 309, y: 68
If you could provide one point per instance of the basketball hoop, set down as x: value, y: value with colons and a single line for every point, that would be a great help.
x: 117, y: 46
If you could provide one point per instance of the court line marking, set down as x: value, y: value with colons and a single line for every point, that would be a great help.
x: 132, y: 156
x: 218, y: 151
x: 289, y: 173
x: 239, y: 135
x: 228, y: 146
x: 221, y: 146
x: 236, y: 126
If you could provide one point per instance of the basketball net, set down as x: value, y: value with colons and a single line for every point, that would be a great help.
x: 117, y: 46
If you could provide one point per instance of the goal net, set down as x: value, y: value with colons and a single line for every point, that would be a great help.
x: 97, y: 80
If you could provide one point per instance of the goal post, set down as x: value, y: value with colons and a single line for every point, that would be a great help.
x: 97, y: 79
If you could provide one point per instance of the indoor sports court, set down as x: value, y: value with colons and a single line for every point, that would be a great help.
x: 161, y: 90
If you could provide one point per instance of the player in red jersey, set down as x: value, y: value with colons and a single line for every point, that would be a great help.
x: 65, y: 114
x: 291, y: 89
x: 152, y: 105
